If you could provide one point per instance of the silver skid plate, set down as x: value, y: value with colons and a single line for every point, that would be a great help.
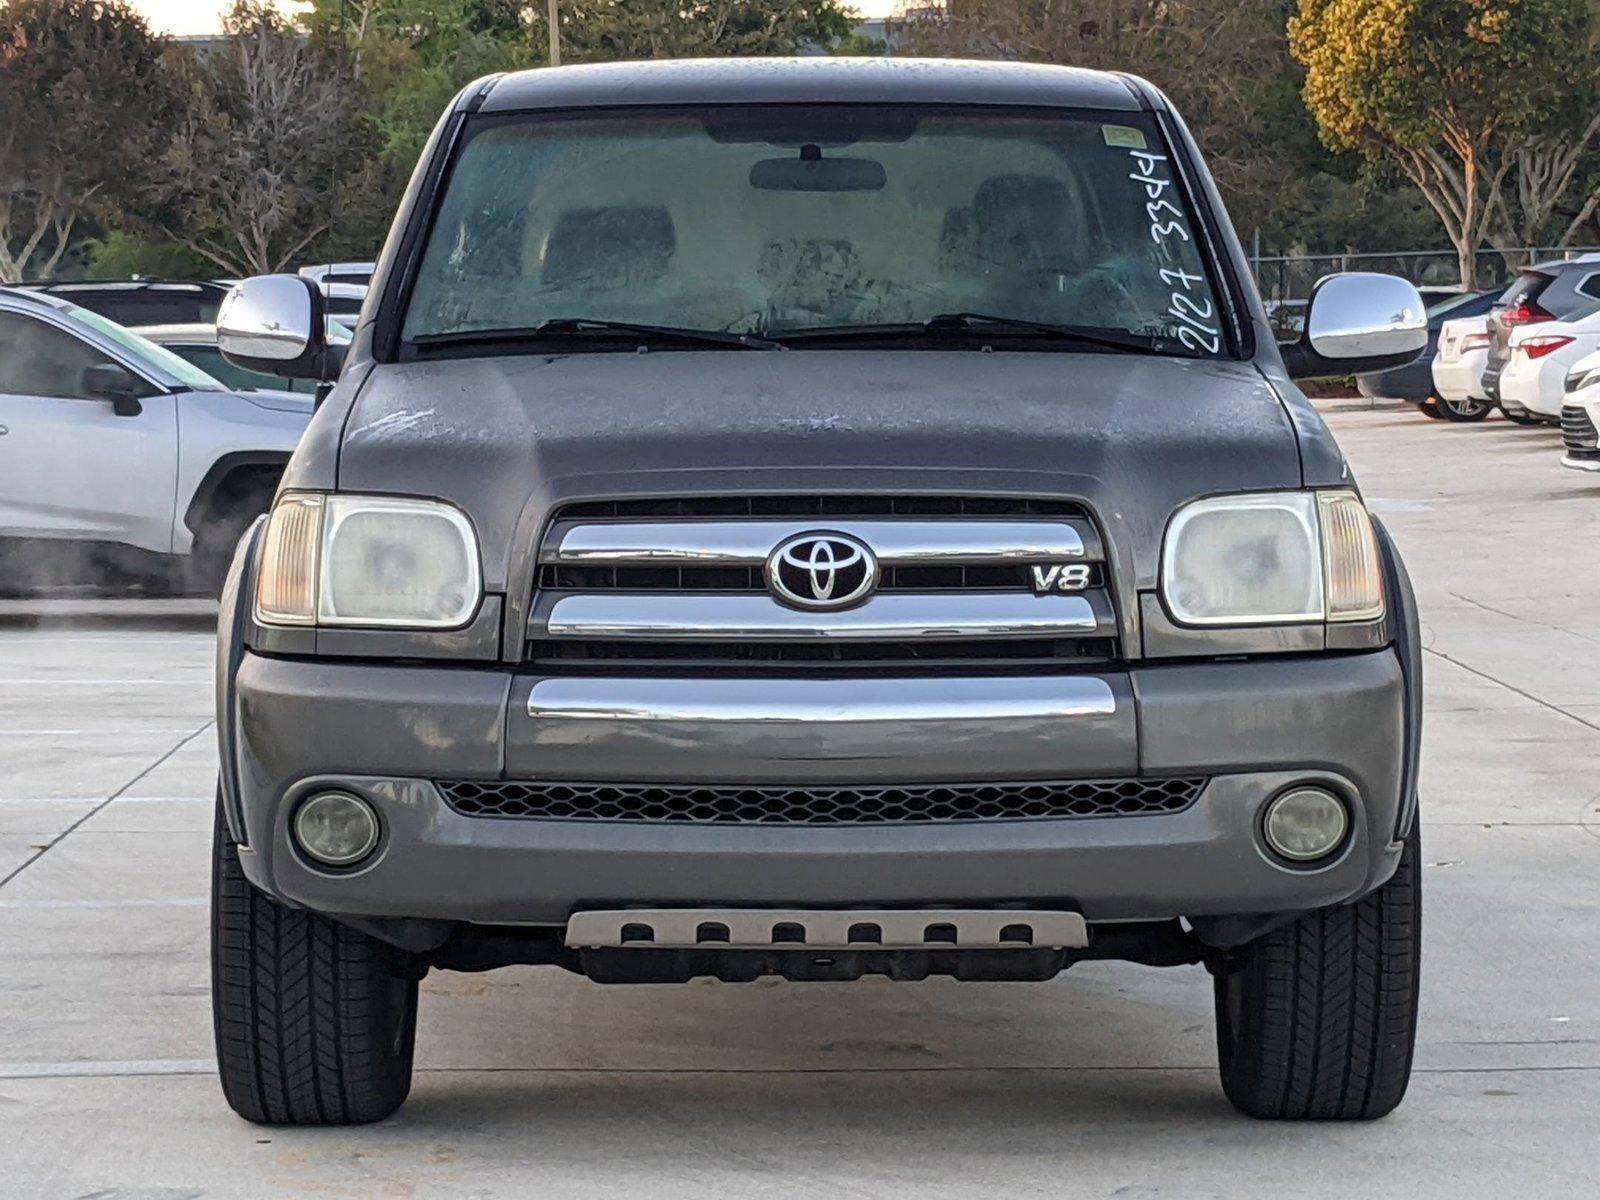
x: 826, y: 929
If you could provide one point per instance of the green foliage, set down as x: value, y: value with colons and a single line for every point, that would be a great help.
x: 84, y: 104
x: 413, y: 56
x: 1406, y: 73
x: 609, y: 30
x: 271, y: 153
x: 1489, y: 107
x: 120, y: 255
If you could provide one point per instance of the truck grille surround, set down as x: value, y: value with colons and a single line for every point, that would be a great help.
x: 909, y: 804
x: 679, y: 583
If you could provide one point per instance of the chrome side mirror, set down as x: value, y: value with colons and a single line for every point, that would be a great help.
x: 277, y: 324
x: 1358, y: 322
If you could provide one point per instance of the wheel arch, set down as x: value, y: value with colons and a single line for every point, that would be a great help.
x: 226, y: 466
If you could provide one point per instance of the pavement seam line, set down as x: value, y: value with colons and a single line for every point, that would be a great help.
x: 98, y: 808
x: 192, y: 1068
x: 1511, y: 687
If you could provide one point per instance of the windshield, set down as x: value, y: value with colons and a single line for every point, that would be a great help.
x: 163, y: 360
x: 779, y: 219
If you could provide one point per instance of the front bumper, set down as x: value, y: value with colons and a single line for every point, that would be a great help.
x: 389, y: 730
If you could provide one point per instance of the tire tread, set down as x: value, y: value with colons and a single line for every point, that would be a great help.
x: 313, y: 1026
x: 1326, y: 1008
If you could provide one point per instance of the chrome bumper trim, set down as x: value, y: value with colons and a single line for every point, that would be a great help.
x: 749, y: 542
x: 887, y: 616
x: 821, y: 701
x: 826, y: 929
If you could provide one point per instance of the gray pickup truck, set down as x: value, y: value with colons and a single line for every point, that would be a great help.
x: 816, y: 518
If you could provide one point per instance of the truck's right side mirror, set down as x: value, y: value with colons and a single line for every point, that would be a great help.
x: 1358, y: 322
x: 277, y: 324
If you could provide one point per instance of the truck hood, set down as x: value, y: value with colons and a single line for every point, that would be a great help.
x: 509, y: 438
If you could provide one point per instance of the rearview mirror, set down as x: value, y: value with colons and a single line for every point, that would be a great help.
x: 813, y: 173
x: 113, y: 382
x: 277, y: 324
x: 1358, y: 322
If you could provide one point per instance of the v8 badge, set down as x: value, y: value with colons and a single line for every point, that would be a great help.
x: 1060, y: 577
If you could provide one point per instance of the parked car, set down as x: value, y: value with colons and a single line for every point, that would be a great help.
x: 1541, y: 357
x: 132, y: 302
x: 344, y: 286
x: 107, y: 438
x: 1546, y: 292
x: 1414, y: 381
x: 197, y: 344
x: 1457, y: 370
x: 822, y: 518
x: 1580, y: 416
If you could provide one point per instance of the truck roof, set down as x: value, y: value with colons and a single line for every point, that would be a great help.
x: 810, y: 81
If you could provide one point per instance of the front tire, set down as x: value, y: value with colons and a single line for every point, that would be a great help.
x: 1464, y: 410
x: 314, y: 1025
x: 1432, y: 407
x: 1317, y: 1020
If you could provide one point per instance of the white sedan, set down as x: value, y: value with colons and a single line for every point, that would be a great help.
x: 1542, y: 356
x: 1458, y: 368
x: 1580, y: 415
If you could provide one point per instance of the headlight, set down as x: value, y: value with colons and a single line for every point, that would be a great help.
x: 1272, y: 558
x: 367, y: 561
x: 1582, y: 379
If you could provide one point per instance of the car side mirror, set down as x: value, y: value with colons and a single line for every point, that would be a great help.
x: 113, y: 382
x: 1357, y: 322
x: 277, y: 325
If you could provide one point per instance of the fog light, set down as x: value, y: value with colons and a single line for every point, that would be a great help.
x: 1305, y: 824
x: 336, y: 828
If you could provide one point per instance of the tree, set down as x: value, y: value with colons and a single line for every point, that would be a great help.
x: 1470, y: 99
x: 270, y: 152
x: 1225, y: 63
x: 83, y: 108
x: 609, y: 30
x: 412, y: 56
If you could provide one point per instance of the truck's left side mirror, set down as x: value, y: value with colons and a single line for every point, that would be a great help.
x: 1358, y: 322
x: 277, y: 324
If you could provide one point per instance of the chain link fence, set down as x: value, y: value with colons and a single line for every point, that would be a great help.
x: 1286, y: 280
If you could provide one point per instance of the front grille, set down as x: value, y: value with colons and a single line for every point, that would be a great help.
x: 931, y: 578
x: 911, y: 804
x: 890, y: 654
x: 1578, y: 432
x: 681, y: 582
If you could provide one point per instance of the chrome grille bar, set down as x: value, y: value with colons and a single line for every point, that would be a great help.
x: 888, y: 615
x: 749, y: 542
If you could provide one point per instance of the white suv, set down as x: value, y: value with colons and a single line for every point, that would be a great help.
x: 107, y: 438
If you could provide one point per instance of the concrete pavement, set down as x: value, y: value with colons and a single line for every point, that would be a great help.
x: 1102, y: 1083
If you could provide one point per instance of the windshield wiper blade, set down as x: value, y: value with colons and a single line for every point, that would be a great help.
x: 596, y: 326
x: 963, y: 322
x: 1089, y: 337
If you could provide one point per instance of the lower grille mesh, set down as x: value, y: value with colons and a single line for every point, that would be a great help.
x: 1577, y: 430
x: 768, y: 805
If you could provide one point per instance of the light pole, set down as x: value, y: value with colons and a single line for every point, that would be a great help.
x: 555, y: 34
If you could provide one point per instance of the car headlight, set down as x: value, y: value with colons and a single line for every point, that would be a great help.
x: 386, y: 561
x: 1581, y: 379
x: 1272, y: 558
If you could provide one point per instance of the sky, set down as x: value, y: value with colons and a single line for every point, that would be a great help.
x: 203, y: 16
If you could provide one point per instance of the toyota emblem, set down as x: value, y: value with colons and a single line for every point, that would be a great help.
x: 822, y: 570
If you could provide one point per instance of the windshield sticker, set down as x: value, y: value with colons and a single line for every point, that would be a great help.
x: 1190, y: 307
x: 1125, y: 136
